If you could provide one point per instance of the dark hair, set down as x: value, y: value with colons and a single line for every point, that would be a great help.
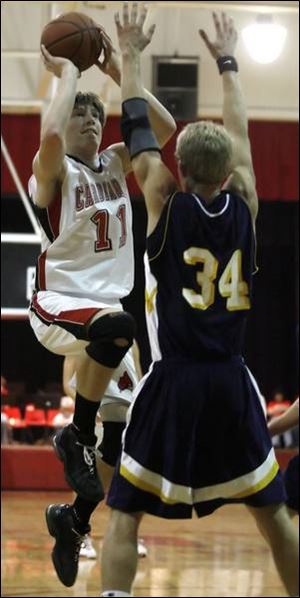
x: 278, y: 390
x: 86, y: 99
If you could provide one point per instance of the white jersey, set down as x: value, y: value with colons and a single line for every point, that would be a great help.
x: 122, y: 384
x: 87, y: 241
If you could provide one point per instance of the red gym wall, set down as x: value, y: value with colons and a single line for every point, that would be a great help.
x: 38, y: 468
x: 31, y: 468
x: 274, y: 146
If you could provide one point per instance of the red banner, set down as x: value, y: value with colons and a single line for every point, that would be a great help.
x: 275, y: 150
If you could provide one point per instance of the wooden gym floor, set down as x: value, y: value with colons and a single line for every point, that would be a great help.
x: 220, y: 555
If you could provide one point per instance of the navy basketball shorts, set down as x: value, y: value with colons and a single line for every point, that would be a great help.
x: 196, y: 438
x: 291, y: 480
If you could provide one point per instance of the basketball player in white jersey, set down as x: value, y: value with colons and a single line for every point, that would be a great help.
x: 113, y: 409
x: 86, y: 265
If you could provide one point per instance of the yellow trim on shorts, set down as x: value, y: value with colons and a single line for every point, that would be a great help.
x: 145, y: 486
x: 192, y: 496
x: 260, y: 485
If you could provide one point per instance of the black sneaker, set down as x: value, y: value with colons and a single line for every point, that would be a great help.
x: 79, y: 461
x: 65, y: 554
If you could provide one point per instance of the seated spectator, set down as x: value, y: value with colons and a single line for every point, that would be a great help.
x: 6, y: 431
x: 4, y: 387
x: 278, y: 405
x: 65, y: 416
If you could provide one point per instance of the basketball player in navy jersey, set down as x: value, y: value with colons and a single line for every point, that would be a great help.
x: 86, y: 267
x: 200, y: 262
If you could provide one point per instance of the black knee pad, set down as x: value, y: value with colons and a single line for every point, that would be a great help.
x: 103, y: 333
x: 110, y: 447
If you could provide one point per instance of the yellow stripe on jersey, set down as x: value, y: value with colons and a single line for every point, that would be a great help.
x: 166, y: 229
x: 149, y: 298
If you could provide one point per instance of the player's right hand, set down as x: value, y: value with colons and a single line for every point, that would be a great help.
x: 130, y: 33
x: 226, y: 37
x: 57, y: 64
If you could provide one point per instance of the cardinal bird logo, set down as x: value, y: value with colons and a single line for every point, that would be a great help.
x: 125, y: 382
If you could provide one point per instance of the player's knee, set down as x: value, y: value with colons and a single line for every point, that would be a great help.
x: 111, y: 336
x: 110, y: 447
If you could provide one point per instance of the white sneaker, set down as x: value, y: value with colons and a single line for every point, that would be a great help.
x: 87, y: 549
x: 141, y: 548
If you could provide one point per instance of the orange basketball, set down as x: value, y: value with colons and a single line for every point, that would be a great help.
x: 75, y: 36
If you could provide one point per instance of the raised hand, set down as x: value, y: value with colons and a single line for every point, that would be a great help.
x: 130, y: 34
x: 104, y: 63
x: 56, y: 64
x: 111, y: 63
x: 226, y: 37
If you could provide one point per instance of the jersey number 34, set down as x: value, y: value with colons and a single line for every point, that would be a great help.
x: 231, y: 284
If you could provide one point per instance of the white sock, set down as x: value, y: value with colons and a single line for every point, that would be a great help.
x: 112, y: 593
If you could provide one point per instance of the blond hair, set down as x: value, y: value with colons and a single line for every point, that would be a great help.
x: 204, y: 150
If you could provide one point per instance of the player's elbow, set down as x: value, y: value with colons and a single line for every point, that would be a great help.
x: 169, y: 130
x: 142, y: 165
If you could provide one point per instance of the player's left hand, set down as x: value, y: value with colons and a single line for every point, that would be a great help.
x: 111, y: 66
x: 106, y: 54
x: 131, y: 35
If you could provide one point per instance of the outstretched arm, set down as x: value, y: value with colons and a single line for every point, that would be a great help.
x: 153, y: 177
x: 286, y: 421
x: 162, y: 122
x: 242, y: 179
x: 48, y: 162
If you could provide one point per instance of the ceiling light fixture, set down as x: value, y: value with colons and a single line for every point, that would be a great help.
x: 264, y: 39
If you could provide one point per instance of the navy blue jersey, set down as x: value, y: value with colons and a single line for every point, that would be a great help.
x: 199, y: 276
